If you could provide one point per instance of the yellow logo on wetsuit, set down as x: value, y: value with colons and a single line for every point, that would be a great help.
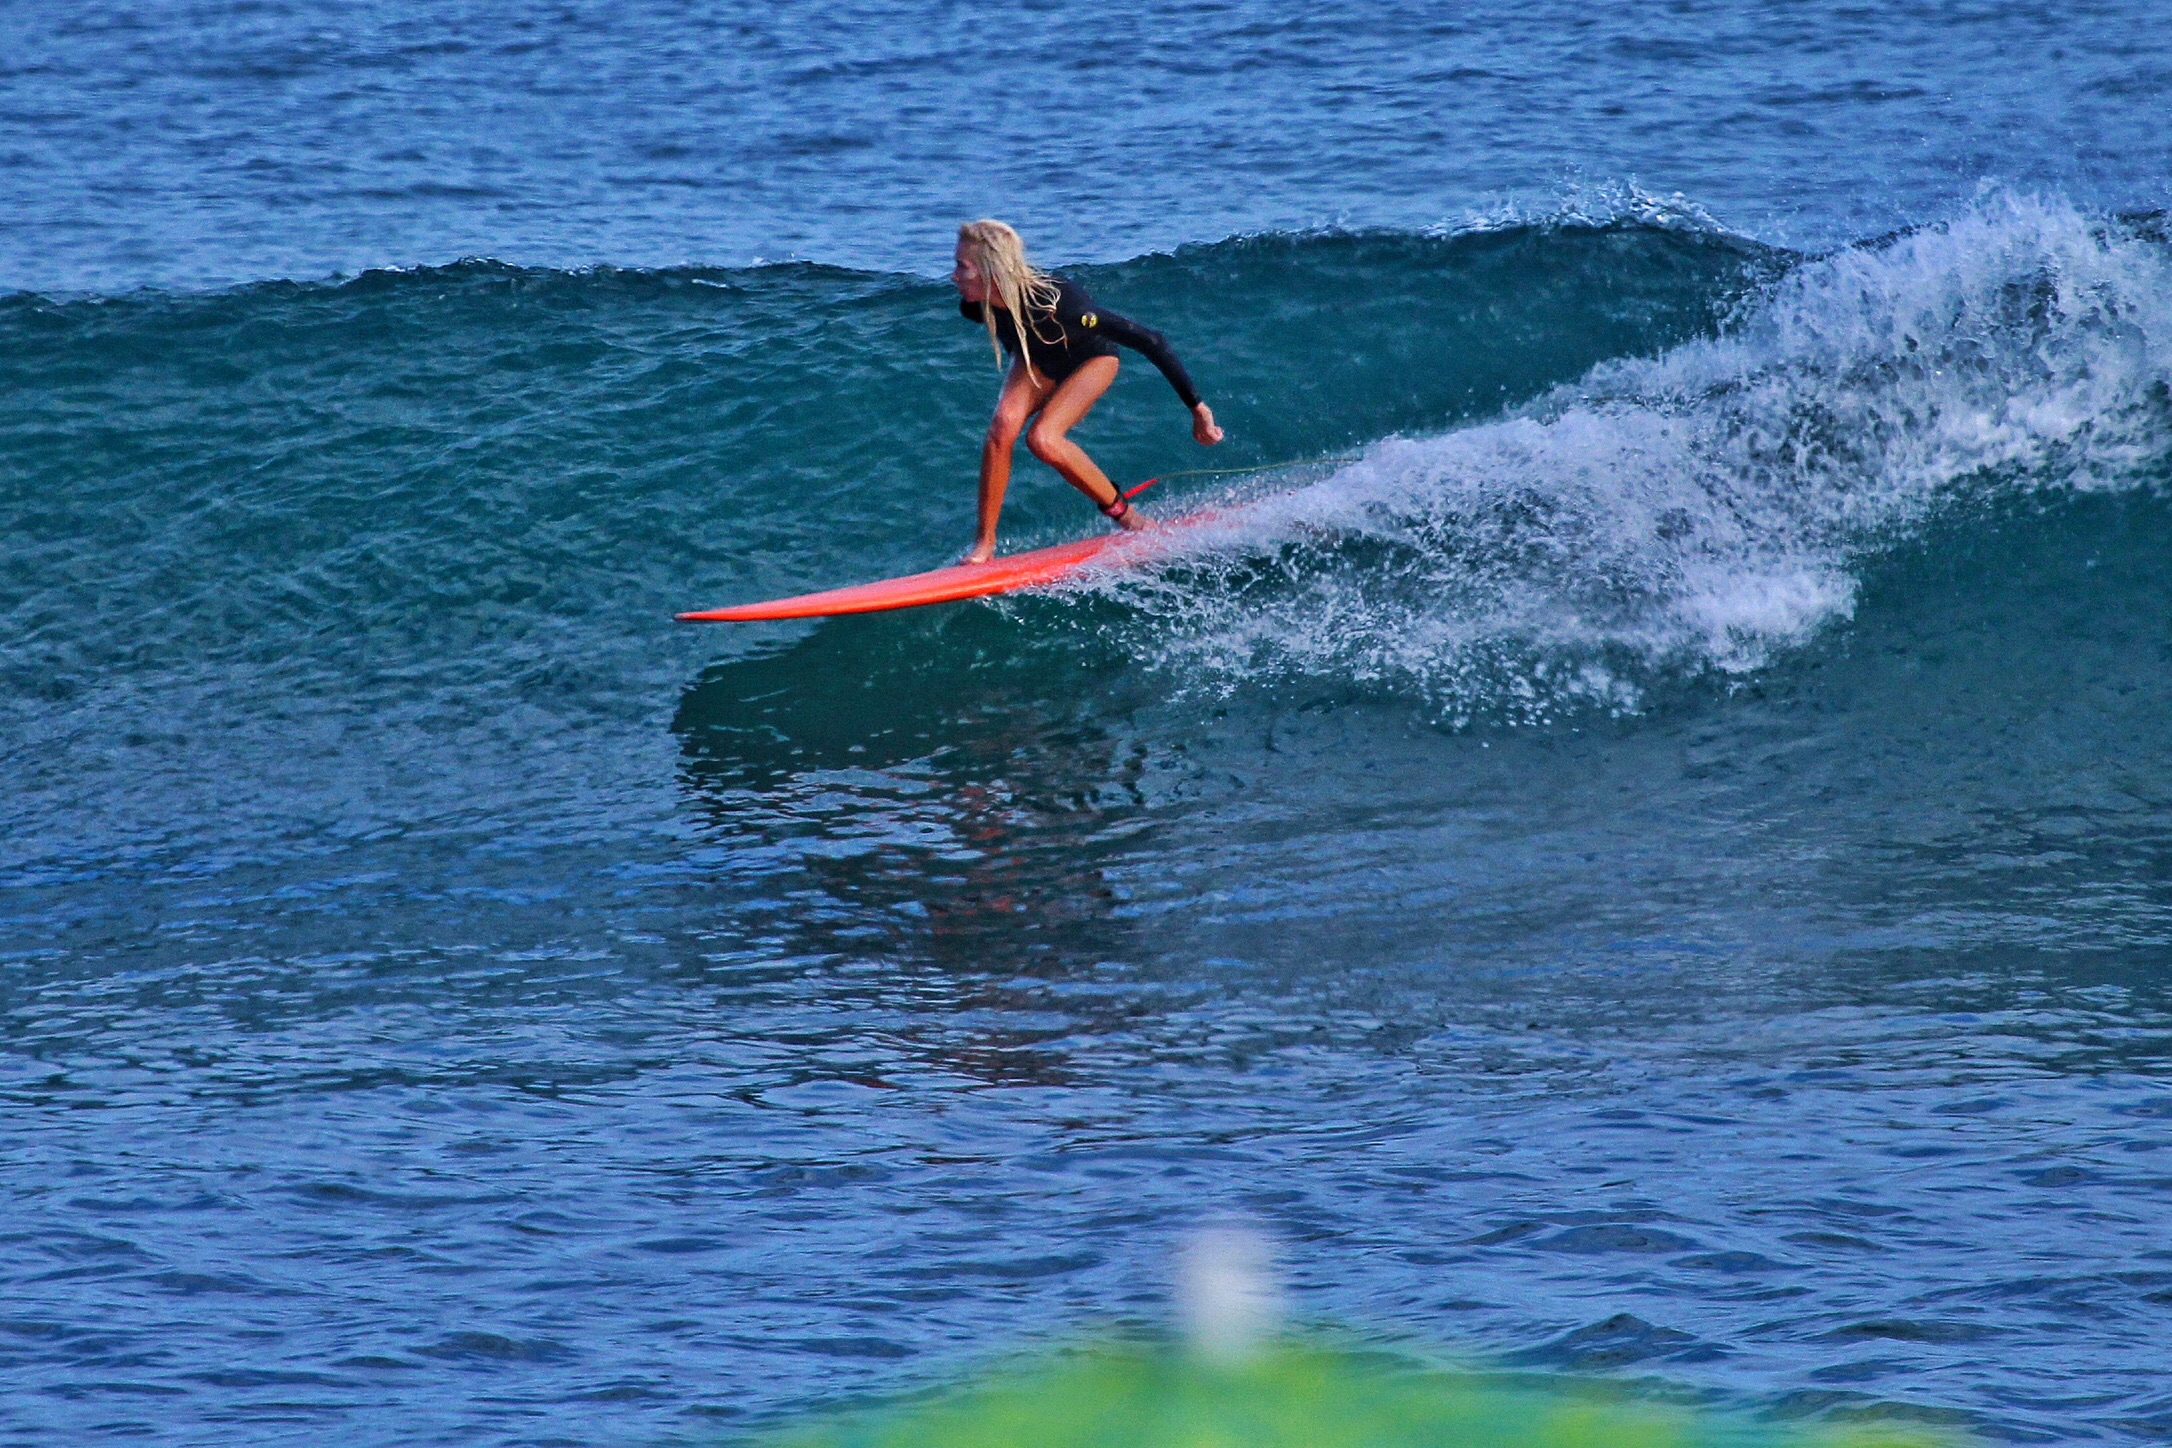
x: 1088, y: 320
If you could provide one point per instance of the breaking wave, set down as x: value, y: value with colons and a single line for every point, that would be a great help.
x: 1696, y: 511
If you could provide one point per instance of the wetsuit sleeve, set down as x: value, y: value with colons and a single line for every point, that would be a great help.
x: 1148, y: 343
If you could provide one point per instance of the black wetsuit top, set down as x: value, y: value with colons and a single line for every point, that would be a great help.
x: 1057, y: 344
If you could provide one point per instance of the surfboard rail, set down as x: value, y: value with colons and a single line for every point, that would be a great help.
x: 958, y: 582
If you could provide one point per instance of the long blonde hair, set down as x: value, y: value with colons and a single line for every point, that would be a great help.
x: 1000, y: 254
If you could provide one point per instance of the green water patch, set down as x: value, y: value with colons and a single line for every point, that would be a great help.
x: 1303, y: 1396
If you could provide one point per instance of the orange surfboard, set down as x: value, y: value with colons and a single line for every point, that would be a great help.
x: 948, y: 585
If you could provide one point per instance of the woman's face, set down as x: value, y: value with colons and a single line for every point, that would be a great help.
x: 966, y: 276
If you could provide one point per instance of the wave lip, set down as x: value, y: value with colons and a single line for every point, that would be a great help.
x: 1698, y: 511
x: 1595, y: 205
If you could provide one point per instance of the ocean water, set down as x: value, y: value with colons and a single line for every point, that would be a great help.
x: 1643, y: 849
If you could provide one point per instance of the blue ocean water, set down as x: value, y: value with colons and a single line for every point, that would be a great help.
x: 1647, y: 852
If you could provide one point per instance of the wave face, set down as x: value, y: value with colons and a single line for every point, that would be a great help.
x: 1696, y: 511
x: 418, y: 505
x: 1658, y: 817
x: 268, y: 478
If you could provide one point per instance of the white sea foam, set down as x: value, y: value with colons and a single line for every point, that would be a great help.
x: 1698, y: 511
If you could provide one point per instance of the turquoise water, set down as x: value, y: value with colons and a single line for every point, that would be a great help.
x: 1643, y: 851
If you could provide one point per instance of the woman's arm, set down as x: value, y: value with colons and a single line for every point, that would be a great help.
x: 1154, y: 347
x: 1145, y: 341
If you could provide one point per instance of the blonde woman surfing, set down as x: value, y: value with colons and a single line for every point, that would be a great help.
x: 1062, y: 351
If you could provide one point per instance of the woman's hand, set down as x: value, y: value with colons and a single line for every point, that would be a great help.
x: 1204, y: 428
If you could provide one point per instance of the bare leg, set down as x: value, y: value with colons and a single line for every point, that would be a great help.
x: 1023, y: 394
x: 1072, y: 399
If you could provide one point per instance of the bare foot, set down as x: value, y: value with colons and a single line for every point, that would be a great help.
x: 978, y: 553
x: 1133, y: 521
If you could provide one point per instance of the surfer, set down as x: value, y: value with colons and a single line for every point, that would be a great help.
x: 1062, y: 352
